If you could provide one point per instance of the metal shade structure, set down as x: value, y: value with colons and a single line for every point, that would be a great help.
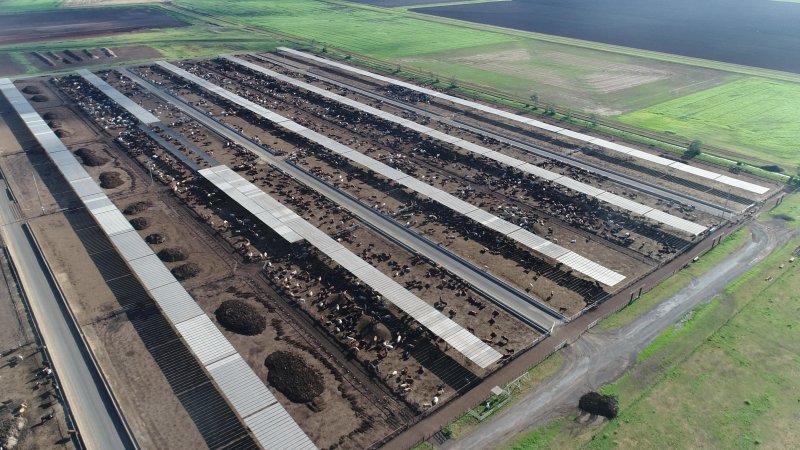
x: 443, y: 198
x: 538, y: 124
x: 202, y: 337
x: 633, y: 207
x: 466, y: 343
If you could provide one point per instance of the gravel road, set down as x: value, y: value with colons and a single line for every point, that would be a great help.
x: 598, y: 358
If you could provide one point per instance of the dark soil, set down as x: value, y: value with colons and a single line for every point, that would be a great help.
x: 50, y: 116
x: 40, y: 98
x: 599, y: 404
x: 749, y: 32
x: 140, y: 223
x: 186, y: 271
x: 32, y: 90
x: 773, y: 168
x: 136, y: 208
x: 289, y: 374
x: 240, y: 317
x: 90, y: 158
x: 155, y: 238
x: 110, y: 180
x: 173, y: 254
x: 62, y: 133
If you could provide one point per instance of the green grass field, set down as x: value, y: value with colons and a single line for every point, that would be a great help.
x: 725, y: 377
x: 13, y: 6
x: 753, y: 116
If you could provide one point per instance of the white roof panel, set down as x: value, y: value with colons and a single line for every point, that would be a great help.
x: 244, y: 390
x: 274, y: 429
x: 130, y: 245
x: 624, y: 203
x: 205, y: 340
x: 151, y: 272
x: 675, y: 222
x: 177, y: 304
x: 112, y: 222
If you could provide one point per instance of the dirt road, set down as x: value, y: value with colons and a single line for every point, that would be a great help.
x: 598, y: 358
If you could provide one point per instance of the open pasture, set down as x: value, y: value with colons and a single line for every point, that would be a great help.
x: 753, y: 117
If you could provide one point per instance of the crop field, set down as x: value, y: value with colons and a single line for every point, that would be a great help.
x: 71, y: 23
x: 711, y: 30
x: 577, y: 77
x: 753, y: 116
x: 717, y: 379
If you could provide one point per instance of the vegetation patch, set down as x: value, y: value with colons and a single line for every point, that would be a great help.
x: 755, y: 117
x: 295, y: 379
x: 240, y: 317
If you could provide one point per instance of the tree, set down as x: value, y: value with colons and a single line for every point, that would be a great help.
x: 593, y: 119
x: 453, y: 82
x: 535, y: 100
x: 694, y: 149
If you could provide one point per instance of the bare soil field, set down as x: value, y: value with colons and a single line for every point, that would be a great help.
x: 10, y: 67
x: 711, y: 31
x: 80, y: 23
x: 77, y: 58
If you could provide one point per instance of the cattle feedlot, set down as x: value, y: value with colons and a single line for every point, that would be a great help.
x: 282, y: 250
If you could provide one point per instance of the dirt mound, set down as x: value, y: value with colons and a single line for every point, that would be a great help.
x: 599, y: 404
x: 186, y: 271
x: 53, y: 123
x: 139, y: 223
x: 32, y: 90
x: 291, y: 375
x: 240, y: 317
x: 110, y: 180
x: 172, y: 254
x: 373, y: 331
x: 50, y: 116
x: 40, y: 98
x: 62, y: 133
x: 136, y: 208
x: 155, y: 238
x: 90, y: 158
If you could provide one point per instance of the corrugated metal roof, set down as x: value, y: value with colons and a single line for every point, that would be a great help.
x: 375, y: 279
x: 517, y: 118
x: 131, y: 245
x: 248, y: 395
x: 112, y: 222
x: 208, y: 344
x: 445, y: 199
x: 675, y: 222
x: 244, y: 390
x: 273, y: 429
x: 177, y: 304
x: 151, y: 272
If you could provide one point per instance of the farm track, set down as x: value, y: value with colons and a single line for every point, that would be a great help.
x: 618, y: 177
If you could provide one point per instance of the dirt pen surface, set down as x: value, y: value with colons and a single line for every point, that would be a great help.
x: 8, y: 66
x: 80, y: 23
